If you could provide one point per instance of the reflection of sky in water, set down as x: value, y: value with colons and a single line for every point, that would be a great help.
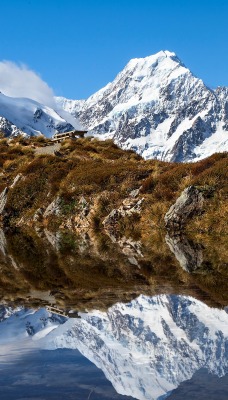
x: 202, y: 386
x: 66, y: 374
x: 58, y: 374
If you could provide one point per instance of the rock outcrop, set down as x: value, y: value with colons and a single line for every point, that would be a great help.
x: 188, y: 204
x: 80, y: 217
x: 53, y: 208
x: 4, y: 194
x: 131, y: 205
x: 3, y: 199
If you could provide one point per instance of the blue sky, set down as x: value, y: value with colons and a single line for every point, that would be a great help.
x: 79, y: 46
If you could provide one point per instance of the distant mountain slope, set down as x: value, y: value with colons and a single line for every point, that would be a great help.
x: 157, y: 107
x: 26, y: 116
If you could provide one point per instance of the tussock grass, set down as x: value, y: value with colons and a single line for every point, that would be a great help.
x: 90, y: 167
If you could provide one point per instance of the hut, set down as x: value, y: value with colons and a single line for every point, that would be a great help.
x: 59, y: 137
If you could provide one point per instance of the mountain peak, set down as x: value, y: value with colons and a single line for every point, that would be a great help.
x: 158, y: 108
x: 163, y: 54
x: 157, y: 57
x: 157, y: 66
x: 168, y: 53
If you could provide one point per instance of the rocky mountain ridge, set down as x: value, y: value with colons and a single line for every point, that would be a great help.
x: 158, y: 108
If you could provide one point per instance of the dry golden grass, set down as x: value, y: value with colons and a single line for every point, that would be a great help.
x: 90, y: 167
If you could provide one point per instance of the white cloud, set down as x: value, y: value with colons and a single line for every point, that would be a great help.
x: 17, y: 80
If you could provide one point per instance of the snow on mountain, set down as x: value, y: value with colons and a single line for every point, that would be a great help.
x: 8, y: 128
x: 157, y: 107
x: 26, y: 116
x: 146, y: 348
x: 71, y: 106
x: 19, y: 324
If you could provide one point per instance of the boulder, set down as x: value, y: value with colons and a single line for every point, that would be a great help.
x: 188, y: 204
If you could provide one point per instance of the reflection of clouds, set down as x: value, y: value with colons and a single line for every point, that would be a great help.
x: 13, y: 352
x: 54, y: 375
x: 66, y: 374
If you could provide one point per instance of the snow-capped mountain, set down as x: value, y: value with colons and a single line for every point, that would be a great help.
x: 157, y: 107
x: 26, y: 116
x: 146, y: 348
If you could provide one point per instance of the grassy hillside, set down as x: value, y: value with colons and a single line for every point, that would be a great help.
x: 105, y: 175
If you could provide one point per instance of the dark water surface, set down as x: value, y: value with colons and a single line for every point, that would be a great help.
x: 58, y: 374
x: 203, y: 386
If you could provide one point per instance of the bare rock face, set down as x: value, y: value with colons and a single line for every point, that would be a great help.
x: 53, y: 208
x: 4, y: 194
x: 188, y: 204
x: 53, y: 238
x: 131, y: 248
x: 131, y: 205
x: 38, y: 215
x: 81, y: 220
x: 3, y: 199
x: 16, y: 180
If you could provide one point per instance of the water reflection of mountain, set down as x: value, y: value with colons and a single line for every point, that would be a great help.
x: 188, y: 254
x: 146, y: 348
x: 94, y: 272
